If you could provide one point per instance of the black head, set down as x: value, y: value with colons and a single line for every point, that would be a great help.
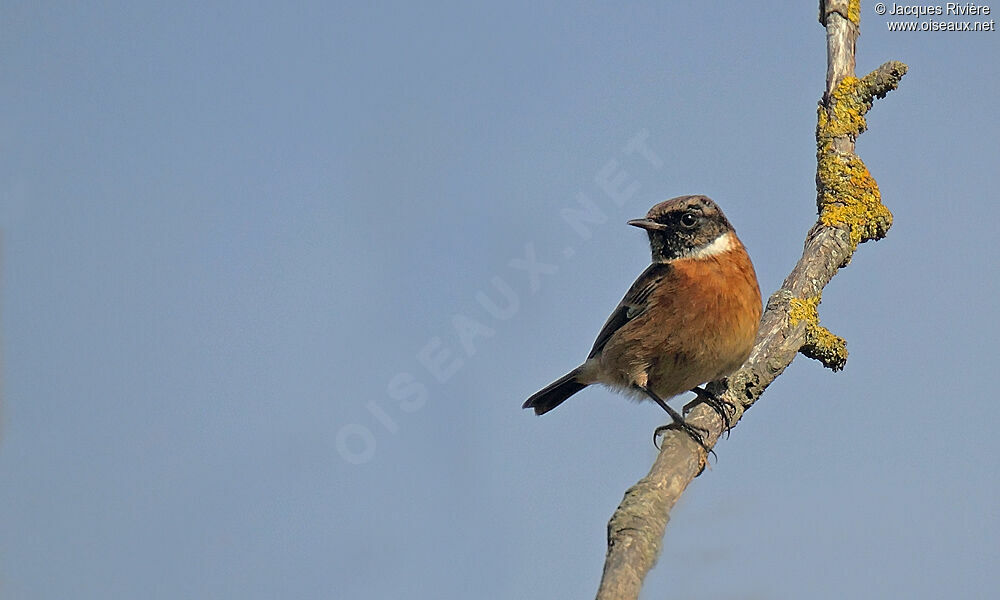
x: 683, y: 226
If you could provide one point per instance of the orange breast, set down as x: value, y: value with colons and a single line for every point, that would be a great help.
x: 700, y: 326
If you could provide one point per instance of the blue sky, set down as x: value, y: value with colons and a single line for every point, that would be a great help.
x: 247, y: 355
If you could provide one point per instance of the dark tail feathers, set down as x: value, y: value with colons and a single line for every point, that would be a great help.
x: 553, y: 394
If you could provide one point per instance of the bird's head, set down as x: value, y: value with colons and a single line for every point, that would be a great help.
x: 686, y: 227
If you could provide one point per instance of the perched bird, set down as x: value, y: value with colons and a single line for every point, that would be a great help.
x: 690, y: 318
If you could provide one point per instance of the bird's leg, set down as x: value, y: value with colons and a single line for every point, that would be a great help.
x: 695, y: 433
x: 720, y: 406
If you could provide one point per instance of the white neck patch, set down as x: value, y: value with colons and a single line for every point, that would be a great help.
x: 723, y: 243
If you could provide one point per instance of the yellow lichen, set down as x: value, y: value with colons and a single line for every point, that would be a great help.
x: 848, y: 196
x: 820, y: 344
x: 848, y: 111
x: 803, y: 309
x: 854, y: 11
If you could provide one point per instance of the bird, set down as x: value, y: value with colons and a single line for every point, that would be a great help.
x: 690, y: 318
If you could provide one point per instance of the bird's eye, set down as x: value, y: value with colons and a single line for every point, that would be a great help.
x: 689, y: 220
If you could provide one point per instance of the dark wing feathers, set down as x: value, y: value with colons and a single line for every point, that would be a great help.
x: 632, y: 305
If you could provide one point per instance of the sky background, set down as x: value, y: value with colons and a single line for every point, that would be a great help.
x: 241, y: 244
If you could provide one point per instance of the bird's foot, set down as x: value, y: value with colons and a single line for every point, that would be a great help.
x: 720, y: 406
x: 695, y: 433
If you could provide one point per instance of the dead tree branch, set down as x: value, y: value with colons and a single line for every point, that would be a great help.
x: 850, y: 212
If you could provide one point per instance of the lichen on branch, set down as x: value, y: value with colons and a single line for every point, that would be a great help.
x: 847, y: 195
x: 820, y: 343
x: 849, y: 9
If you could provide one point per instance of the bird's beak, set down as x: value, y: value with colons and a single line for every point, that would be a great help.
x: 647, y: 224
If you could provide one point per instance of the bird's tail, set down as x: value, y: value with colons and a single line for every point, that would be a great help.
x: 553, y: 394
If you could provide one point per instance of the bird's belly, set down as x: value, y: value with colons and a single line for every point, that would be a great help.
x: 679, y: 372
x: 680, y: 344
x: 669, y: 368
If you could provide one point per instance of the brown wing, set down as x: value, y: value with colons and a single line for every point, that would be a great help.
x: 632, y: 305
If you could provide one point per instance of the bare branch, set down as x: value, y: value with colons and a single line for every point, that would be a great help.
x: 850, y: 212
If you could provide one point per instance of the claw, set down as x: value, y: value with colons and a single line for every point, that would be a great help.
x: 695, y: 433
x: 721, y: 407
